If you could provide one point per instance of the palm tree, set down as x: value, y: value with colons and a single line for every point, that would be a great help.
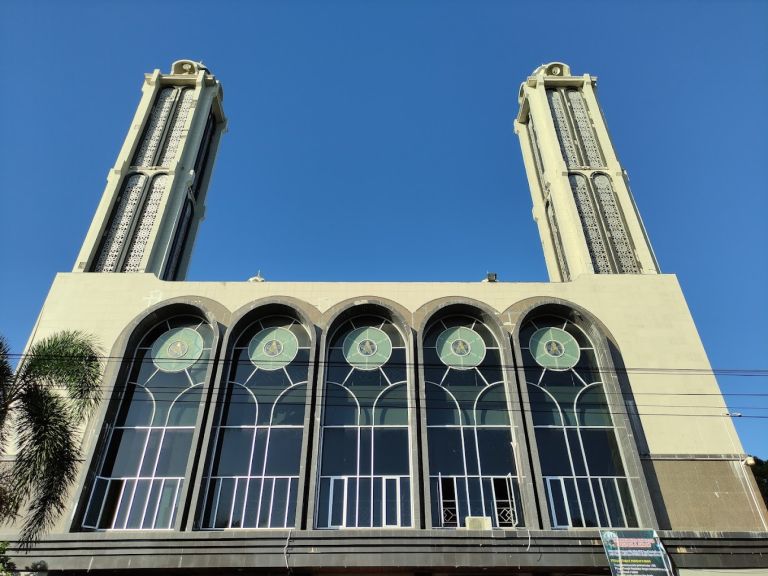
x: 54, y: 389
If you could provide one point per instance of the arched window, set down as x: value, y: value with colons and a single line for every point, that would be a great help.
x: 471, y: 444
x: 253, y: 476
x: 365, y: 472
x: 579, y: 456
x: 142, y: 473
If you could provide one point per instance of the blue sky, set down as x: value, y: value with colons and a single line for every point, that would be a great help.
x: 392, y: 121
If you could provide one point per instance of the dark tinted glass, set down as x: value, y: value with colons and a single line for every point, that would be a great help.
x: 496, y: 452
x: 297, y: 369
x: 137, y: 407
x: 470, y: 450
x: 184, y: 409
x: 234, y: 452
x: 366, y: 450
x: 576, y: 452
x: 289, y: 409
x: 395, y: 368
x: 391, y: 451
x: 544, y: 410
x: 337, y: 366
x: 592, y: 408
x: 165, y: 388
x: 139, y: 500
x: 491, y: 366
x: 587, y: 503
x: 92, y: 516
x: 110, y: 504
x: 165, y: 507
x: 441, y: 407
x: 340, y: 406
x: 602, y: 452
x: 124, y: 453
x: 392, y: 406
x: 174, y: 453
x: 239, y: 407
x: 626, y: 499
x: 339, y: 451
x: 393, y: 333
x: 242, y: 366
x: 259, y: 452
x: 553, y: 452
x: 445, y: 451
x: 577, y: 517
x: 405, y: 502
x: 151, y: 452
x: 367, y: 378
x: 491, y: 407
x: 434, y: 369
x: 284, y: 451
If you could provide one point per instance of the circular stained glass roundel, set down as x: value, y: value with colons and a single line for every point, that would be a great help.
x: 177, y: 349
x: 554, y: 348
x: 273, y: 348
x: 367, y: 348
x: 460, y: 347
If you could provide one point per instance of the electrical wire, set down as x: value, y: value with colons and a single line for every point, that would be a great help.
x: 638, y: 370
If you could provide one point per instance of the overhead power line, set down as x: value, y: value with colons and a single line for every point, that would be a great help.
x: 741, y: 372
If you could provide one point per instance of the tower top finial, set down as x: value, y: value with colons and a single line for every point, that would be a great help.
x: 553, y: 69
x: 187, y: 67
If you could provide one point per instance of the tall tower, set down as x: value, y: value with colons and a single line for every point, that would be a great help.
x: 586, y: 215
x: 155, y: 195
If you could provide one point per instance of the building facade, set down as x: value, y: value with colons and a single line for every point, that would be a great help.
x: 422, y: 428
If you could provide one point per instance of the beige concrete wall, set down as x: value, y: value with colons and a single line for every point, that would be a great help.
x: 646, y: 315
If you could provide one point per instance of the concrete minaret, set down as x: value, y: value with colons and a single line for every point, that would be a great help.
x: 585, y: 212
x: 155, y: 195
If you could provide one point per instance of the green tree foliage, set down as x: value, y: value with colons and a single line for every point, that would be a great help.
x: 6, y: 566
x: 42, y: 405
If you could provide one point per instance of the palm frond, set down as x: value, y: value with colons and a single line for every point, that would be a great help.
x: 9, y: 502
x: 6, y: 373
x: 67, y: 360
x: 6, y: 384
x: 47, y: 460
x: 56, y: 386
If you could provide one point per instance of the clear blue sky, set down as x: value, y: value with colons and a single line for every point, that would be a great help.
x: 393, y: 121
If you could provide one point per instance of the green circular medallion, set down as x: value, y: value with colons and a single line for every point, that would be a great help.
x: 273, y: 348
x: 554, y: 348
x: 460, y: 347
x: 177, y: 349
x: 367, y: 348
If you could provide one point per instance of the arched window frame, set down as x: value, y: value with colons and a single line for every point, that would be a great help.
x: 99, y: 430
x: 434, y: 312
x: 256, y: 497
x: 617, y: 393
x: 407, y: 514
x: 241, y: 321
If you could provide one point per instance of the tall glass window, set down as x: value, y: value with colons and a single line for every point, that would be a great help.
x: 365, y: 472
x: 472, y: 461
x: 253, y: 476
x: 142, y: 473
x: 580, y: 460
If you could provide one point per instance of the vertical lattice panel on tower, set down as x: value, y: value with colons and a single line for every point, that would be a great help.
x: 135, y: 212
